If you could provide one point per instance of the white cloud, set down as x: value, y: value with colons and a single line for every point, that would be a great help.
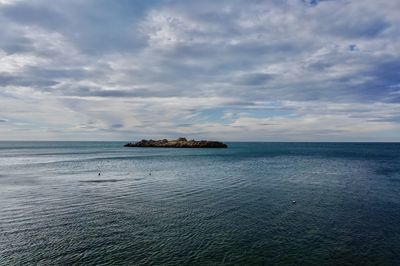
x: 281, y: 70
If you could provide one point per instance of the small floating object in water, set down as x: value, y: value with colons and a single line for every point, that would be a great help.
x: 293, y: 201
x: 150, y: 173
x: 99, y: 173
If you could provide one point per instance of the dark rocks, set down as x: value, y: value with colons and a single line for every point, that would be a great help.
x: 179, y: 143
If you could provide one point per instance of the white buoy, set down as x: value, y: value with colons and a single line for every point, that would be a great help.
x: 294, y: 202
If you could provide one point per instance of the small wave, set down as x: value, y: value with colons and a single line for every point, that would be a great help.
x: 138, y: 179
x: 101, y: 180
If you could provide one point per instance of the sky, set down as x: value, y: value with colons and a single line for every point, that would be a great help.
x: 278, y: 70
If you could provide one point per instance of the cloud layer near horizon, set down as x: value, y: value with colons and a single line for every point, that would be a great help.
x: 232, y: 70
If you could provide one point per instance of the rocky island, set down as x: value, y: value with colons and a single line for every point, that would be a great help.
x: 178, y: 143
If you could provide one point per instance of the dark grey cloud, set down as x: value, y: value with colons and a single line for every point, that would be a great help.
x: 25, y: 81
x: 255, y: 79
x: 118, y: 125
x: 380, y: 82
x: 15, y: 44
x: 29, y: 14
x: 76, y: 73
x: 359, y: 29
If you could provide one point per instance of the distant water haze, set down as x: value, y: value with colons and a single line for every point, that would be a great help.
x: 199, y: 206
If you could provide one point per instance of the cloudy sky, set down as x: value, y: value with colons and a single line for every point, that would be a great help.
x: 278, y: 70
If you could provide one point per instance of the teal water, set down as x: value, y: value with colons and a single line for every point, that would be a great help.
x: 199, y: 206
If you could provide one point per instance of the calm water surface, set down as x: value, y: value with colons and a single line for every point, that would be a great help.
x: 199, y: 206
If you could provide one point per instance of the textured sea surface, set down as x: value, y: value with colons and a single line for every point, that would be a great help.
x: 199, y: 206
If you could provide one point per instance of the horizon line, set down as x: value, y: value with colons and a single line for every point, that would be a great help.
x: 235, y: 141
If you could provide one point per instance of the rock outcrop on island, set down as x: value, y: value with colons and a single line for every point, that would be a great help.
x: 179, y: 143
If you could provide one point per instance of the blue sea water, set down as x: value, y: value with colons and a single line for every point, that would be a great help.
x: 199, y: 206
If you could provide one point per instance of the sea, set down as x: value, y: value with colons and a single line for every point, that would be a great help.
x: 250, y: 204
